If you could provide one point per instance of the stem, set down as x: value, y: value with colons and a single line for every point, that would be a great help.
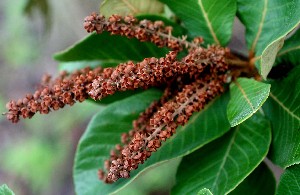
x: 237, y: 62
x: 169, y: 36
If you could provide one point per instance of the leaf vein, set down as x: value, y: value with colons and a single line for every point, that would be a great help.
x: 245, y: 95
x: 284, y: 107
x: 260, y: 25
x: 225, y: 157
x: 208, y: 22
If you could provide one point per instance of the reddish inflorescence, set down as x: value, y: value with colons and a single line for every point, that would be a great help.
x: 53, y: 95
x: 144, y: 30
x: 190, y: 83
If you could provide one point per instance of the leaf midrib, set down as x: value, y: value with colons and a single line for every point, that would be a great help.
x: 288, y: 50
x: 211, y: 30
x: 130, y: 6
x: 283, y: 106
x: 225, y: 156
x: 260, y: 26
x: 245, y: 95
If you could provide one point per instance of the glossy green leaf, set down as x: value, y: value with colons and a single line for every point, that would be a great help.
x: 224, y: 163
x: 267, y: 23
x: 109, y: 47
x: 211, y: 19
x: 4, y: 190
x: 246, y: 97
x: 260, y: 181
x: 283, y: 110
x: 134, y: 7
x: 204, y: 191
x: 104, y: 132
x: 289, y: 181
x: 290, y: 52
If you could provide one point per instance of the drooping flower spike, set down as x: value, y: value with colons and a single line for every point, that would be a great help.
x: 189, y: 84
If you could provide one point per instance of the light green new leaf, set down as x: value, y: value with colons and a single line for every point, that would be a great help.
x: 290, y: 52
x: 283, y: 110
x: 211, y: 19
x: 224, y: 163
x: 134, y: 7
x: 267, y: 23
x: 246, y: 97
x: 4, y: 190
x: 106, y: 127
x: 289, y: 181
x: 260, y: 181
x: 204, y: 191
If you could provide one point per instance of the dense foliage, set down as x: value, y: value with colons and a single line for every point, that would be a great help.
x: 229, y: 110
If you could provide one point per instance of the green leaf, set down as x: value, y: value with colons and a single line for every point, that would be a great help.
x: 4, y: 190
x: 204, y: 191
x: 133, y: 7
x: 104, y: 132
x: 290, y: 52
x: 283, y: 110
x: 260, y: 181
x: 289, y: 181
x: 109, y: 47
x: 224, y: 163
x: 267, y: 23
x: 211, y: 19
x: 246, y: 97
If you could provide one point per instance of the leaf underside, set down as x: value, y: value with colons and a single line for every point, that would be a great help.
x: 267, y: 23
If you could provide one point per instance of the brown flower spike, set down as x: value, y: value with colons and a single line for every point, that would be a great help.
x: 189, y: 84
x: 53, y: 95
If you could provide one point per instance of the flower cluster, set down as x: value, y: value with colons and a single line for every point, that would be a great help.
x: 144, y: 30
x: 52, y: 95
x: 154, y: 72
x: 155, y: 125
x: 190, y: 83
